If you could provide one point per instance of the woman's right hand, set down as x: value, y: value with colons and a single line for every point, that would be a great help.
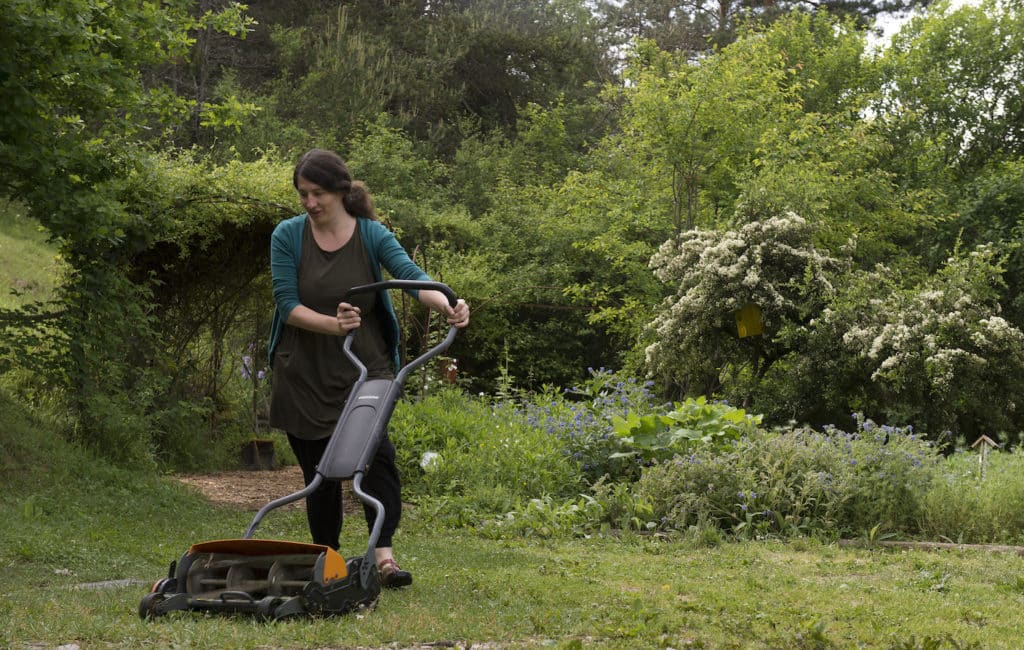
x: 348, y: 318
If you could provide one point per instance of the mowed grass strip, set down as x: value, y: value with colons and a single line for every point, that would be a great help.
x: 609, y: 593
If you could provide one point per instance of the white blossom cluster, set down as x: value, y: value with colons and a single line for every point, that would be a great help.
x: 771, y: 263
x: 943, y: 340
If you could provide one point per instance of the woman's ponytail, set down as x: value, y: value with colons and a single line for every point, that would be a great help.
x: 359, y: 202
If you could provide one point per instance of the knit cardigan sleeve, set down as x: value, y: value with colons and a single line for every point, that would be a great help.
x: 285, y: 253
x: 385, y: 251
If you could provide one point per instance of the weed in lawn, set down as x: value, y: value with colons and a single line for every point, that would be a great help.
x: 933, y: 580
x: 1014, y: 584
x: 812, y: 635
x: 929, y: 642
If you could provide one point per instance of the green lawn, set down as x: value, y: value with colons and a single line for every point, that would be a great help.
x: 69, y: 527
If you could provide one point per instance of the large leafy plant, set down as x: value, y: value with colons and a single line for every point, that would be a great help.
x: 694, y: 422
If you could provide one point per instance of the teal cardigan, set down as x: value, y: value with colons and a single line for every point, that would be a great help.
x: 383, y: 249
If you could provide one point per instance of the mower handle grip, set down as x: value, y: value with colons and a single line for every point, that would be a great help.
x: 406, y: 285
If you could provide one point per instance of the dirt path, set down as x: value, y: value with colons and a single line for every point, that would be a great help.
x: 251, y: 490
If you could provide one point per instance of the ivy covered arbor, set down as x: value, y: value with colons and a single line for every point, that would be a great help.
x: 75, y: 113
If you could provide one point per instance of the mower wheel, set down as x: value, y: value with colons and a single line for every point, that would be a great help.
x: 148, y: 604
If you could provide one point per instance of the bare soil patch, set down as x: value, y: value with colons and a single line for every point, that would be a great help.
x: 251, y: 490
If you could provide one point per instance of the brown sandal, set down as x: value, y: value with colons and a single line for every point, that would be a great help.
x: 392, y: 576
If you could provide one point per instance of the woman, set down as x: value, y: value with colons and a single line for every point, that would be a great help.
x: 314, y: 258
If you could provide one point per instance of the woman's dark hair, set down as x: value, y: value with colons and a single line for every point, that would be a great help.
x: 329, y: 171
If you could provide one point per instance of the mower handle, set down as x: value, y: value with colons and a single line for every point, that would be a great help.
x: 406, y: 285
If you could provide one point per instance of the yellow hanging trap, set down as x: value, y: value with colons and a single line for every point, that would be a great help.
x: 748, y: 320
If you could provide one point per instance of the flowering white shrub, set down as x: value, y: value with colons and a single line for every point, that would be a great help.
x: 939, y: 355
x: 771, y: 263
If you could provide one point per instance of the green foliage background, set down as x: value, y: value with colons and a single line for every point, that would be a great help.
x: 540, y: 158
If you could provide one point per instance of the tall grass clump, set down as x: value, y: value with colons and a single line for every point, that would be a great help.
x: 971, y: 503
x: 463, y: 457
x: 797, y: 481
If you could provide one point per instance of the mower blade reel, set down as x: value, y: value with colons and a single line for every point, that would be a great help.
x: 266, y: 578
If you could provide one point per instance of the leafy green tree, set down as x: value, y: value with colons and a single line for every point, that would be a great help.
x: 71, y: 81
x: 696, y: 124
x: 823, y: 160
x: 992, y: 211
x: 953, y: 102
x: 530, y: 330
x: 538, y: 216
x: 517, y: 52
x: 323, y: 71
x: 701, y: 25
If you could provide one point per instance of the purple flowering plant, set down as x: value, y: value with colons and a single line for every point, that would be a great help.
x: 581, y: 418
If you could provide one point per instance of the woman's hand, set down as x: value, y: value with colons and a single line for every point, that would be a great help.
x: 348, y: 318
x: 457, y: 315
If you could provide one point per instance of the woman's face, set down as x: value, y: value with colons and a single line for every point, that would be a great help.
x: 316, y: 200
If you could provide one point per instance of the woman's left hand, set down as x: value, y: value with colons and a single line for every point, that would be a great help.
x: 459, y: 315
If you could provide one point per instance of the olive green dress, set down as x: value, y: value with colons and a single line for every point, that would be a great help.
x: 312, y: 376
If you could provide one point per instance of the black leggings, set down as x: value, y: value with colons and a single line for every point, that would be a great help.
x: 324, y: 507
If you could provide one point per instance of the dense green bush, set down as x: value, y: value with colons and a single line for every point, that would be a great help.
x: 771, y: 262
x: 463, y: 457
x: 795, y: 481
x: 937, y: 353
